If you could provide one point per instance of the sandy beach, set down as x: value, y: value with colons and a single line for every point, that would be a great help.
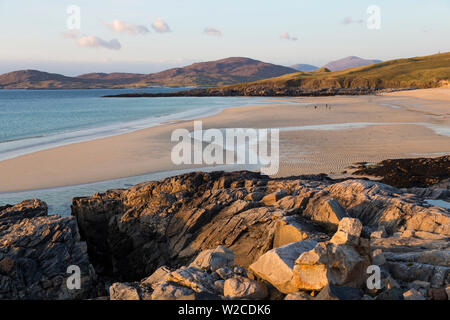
x: 400, y: 124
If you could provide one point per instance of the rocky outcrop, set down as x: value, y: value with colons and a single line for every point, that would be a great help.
x: 258, y: 90
x: 36, y: 253
x: 130, y: 233
x: 409, y: 173
x: 204, y: 279
x: 235, y: 235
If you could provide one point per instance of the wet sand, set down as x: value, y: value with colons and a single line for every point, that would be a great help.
x: 409, y: 124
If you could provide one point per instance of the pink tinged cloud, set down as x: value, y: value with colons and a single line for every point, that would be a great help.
x: 96, y: 42
x: 350, y: 20
x: 212, y: 32
x: 286, y: 36
x: 160, y: 26
x: 125, y: 27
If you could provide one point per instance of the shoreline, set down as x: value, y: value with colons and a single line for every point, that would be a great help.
x: 14, y: 148
x: 147, y: 151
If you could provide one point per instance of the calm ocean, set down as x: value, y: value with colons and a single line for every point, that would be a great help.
x: 33, y: 120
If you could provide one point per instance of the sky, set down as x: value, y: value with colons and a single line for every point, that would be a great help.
x: 80, y: 36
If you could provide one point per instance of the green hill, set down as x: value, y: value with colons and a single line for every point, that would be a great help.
x: 418, y: 72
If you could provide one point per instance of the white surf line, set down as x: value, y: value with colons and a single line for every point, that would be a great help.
x: 438, y: 129
x: 16, y: 148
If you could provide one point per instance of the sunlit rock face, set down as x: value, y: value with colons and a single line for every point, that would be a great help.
x: 237, y: 235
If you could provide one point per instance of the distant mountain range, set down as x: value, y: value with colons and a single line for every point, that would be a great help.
x: 349, y: 62
x: 338, y: 65
x: 213, y: 73
x: 411, y: 73
x: 304, y: 67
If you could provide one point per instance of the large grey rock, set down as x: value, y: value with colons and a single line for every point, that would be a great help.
x: 196, y: 279
x: 243, y: 288
x: 348, y: 232
x: 342, y: 261
x: 214, y: 259
x: 156, y: 278
x: 276, y: 266
x: 326, y: 211
x: 291, y: 229
x: 123, y: 291
x: 36, y: 252
x: 169, y: 291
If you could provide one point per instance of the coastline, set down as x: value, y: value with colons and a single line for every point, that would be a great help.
x: 18, y: 146
x: 397, y: 133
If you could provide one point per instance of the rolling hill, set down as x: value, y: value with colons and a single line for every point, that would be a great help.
x: 26, y: 79
x: 417, y: 72
x: 412, y: 73
x: 213, y: 73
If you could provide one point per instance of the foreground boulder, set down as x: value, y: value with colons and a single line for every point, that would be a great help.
x: 122, y: 291
x: 243, y: 288
x: 276, y: 266
x: 342, y: 261
x: 36, y: 252
x: 214, y: 259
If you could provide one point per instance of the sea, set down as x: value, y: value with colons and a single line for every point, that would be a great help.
x: 34, y: 120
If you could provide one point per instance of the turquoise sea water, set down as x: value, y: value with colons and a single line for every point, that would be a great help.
x: 40, y: 119
x: 32, y: 120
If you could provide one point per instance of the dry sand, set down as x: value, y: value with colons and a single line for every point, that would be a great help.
x: 301, y: 152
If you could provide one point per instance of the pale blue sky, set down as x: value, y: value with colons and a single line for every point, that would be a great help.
x: 32, y: 32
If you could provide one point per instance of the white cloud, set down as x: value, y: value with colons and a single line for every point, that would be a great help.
x: 124, y: 27
x: 212, y: 32
x: 349, y: 20
x: 286, y: 36
x: 160, y: 26
x: 96, y: 42
x: 86, y: 41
